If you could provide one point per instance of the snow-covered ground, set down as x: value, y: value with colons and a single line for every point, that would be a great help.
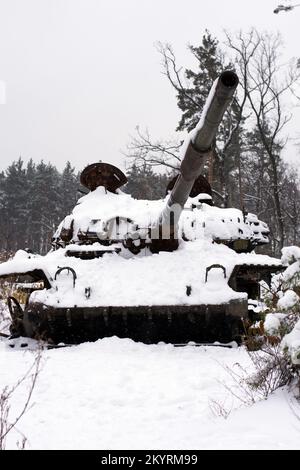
x: 117, y: 394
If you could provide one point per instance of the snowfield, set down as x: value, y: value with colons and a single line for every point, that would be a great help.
x: 118, y: 394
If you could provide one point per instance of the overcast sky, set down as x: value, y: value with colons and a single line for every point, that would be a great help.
x: 81, y: 74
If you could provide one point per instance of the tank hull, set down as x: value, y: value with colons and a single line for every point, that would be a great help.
x: 148, y: 324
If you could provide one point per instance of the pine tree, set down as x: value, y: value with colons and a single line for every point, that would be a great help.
x: 191, y: 99
x: 143, y: 183
x: 15, y: 205
x: 192, y: 88
x: 227, y: 145
x: 3, y: 218
x: 260, y: 194
x: 68, y: 189
x: 44, y: 207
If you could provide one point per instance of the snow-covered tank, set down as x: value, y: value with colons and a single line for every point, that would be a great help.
x: 174, y: 270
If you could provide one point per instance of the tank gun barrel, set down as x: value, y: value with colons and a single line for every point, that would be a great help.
x: 196, y: 151
x: 201, y: 138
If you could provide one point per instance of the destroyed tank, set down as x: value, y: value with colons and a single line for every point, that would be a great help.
x: 174, y: 270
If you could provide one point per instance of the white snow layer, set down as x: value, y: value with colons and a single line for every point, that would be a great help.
x: 290, y: 254
x: 288, y: 300
x: 145, y: 279
x: 95, y: 209
x: 159, y: 279
x: 291, y: 342
x: 272, y: 322
x: 117, y: 394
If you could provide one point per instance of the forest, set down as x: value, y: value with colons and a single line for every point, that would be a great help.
x: 34, y: 198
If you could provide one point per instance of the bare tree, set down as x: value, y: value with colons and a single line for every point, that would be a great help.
x: 8, y: 424
x: 265, y: 81
x: 145, y: 151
